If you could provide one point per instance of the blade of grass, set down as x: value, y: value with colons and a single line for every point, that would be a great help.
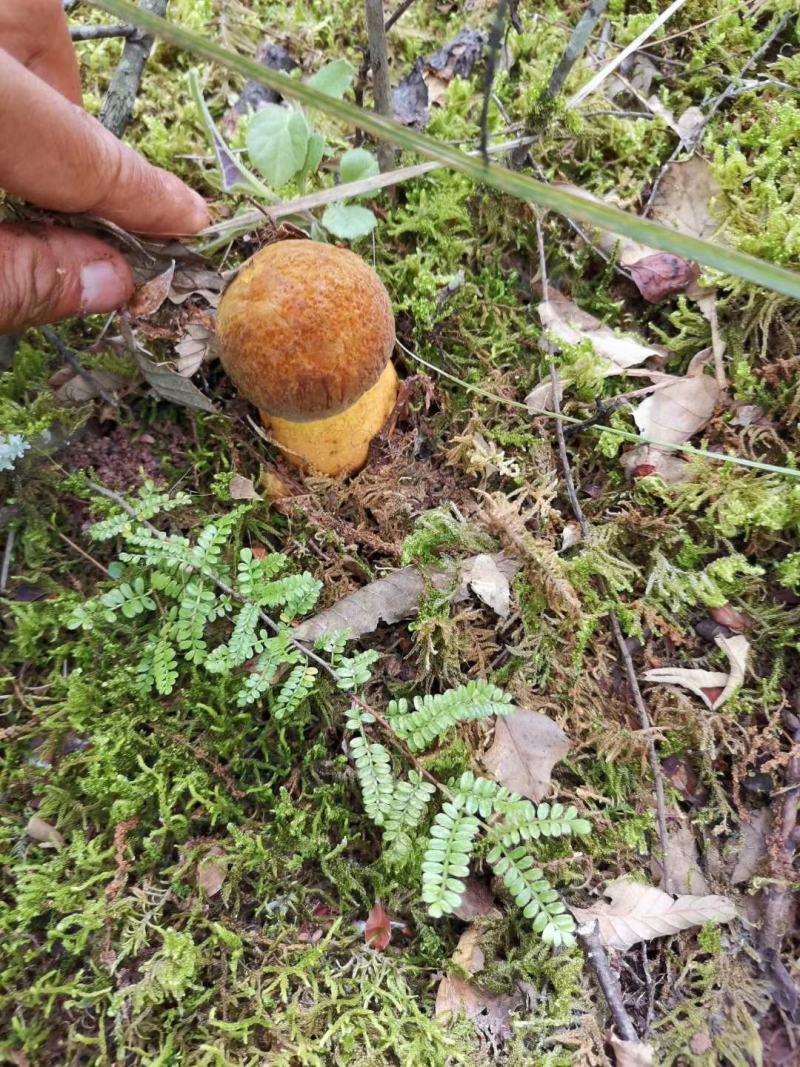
x: 727, y: 260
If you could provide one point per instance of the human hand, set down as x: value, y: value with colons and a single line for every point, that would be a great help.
x: 56, y: 156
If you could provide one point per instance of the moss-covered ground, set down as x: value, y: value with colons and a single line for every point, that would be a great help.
x: 111, y: 951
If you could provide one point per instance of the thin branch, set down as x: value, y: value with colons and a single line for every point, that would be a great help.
x: 611, y: 66
x: 71, y: 359
x: 99, y: 33
x: 492, y: 55
x: 597, y: 960
x: 8, y: 555
x: 118, y: 105
x: 398, y: 12
x: 575, y: 46
x: 86, y: 556
x: 381, y: 88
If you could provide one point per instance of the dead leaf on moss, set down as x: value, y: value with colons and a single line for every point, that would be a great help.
x: 632, y: 1053
x: 211, y: 873
x: 196, y: 347
x: 684, y: 198
x: 196, y: 281
x: 714, y: 688
x: 469, y: 954
x: 79, y: 390
x: 636, y: 912
x: 149, y: 297
x: 242, y: 488
x: 683, y: 861
x: 752, y: 846
x: 41, y: 831
x: 378, y: 928
x: 525, y: 749
x: 491, y: 1011
x: 489, y: 583
x: 645, y: 460
x: 674, y: 414
x: 393, y: 598
x: 476, y: 900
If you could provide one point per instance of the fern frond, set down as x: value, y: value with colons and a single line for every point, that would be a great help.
x: 533, y: 894
x: 374, y: 770
x: 254, y: 573
x: 524, y: 821
x: 294, y: 690
x: 405, y: 812
x: 296, y: 593
x: 434, y: 715
x: 164, y: 665
x: 147, y: 504
x: 198, y: 605
x: 447, y: 857
x: 354, y: 671
x: 129, y: 598
x: 277, y: 652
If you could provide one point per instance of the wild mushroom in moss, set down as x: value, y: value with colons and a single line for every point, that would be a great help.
x: 306, y: 333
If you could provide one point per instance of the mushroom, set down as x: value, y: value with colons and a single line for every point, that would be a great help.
x: 306, y: 332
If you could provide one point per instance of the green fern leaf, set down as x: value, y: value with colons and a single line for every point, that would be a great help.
x: 447, y: 857
x: 405, y: 812
x: 533, y: 894
x: 277, y: 652
x: 434, y: 715
x: 294, y: 691
x: 374, y: 770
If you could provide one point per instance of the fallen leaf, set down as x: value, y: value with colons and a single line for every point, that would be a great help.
x: 684, y: 198
x: 196, y: 347
x: 637, y: 912
x: 752, y: 846
x: 491, y: 1011
x: 391, y: 599
x: 645, y: 460
x: 170, y: 385
x: 211, y: 874
x: 570, y: 536
x: 427, y: 83
x: 149, y: 297
x: 78, y: 390
x: 242, y: 488
x: 729, y: 616
x: 683, y: 862
x: 673, y: 415
x: 689, y: 125
x: 662, y: 274
x: 684, y: 780
x: 476, y: 900
x: 570, y: 324
x: 489, y: 583
x: 378, y: 929
x: 43, y: 832
x: 632, y: 1053
x: 468, y: 954
x: 700, y: 681
x: 525, y: 749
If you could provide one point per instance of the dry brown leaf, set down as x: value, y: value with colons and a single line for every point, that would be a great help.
x: 697, y: 681
x: 469, y: 954
x: 41, y: 831
x: 525, y: 749
x: 391, y: 599
x: 378, y: 928
x: 636, y: 912
x: 673, y: 415
x: 242, y: 488
x: 632, y: 1053
x: 647, y: 459
x: 570, y: 324
x: 683, y: 862
x: 489, y: 583
x: 753, y: 846
x: 196, y: 281
x: 476, y: 900
x: 684, y: 197
x: 211, y: 874
x: 491, y: 1011
x: 197, y: 346
x: 149, y: 297
x: 78, y: 390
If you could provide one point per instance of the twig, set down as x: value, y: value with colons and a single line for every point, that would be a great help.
x: 575, y: 46
x: 492, y: 55
x: 8, y: 555
x: 99, y: 33
x: 597, y: 960
x: 619, y: 637
x: 86, y: 556
x: 612, y: 65
x: 398, y: 12
x: 381, y: 89
x: 117, y: 109
x: 71, y: 359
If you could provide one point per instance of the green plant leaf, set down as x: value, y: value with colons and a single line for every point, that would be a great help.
x: 357, y: 163
x: 314, y: 153
x: 334, y: 79
x: 277, y: 142
x: 348, y: 221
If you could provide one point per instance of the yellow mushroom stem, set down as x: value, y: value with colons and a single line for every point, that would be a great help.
x: 337, y: 445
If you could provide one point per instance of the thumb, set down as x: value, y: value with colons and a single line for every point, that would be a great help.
x: 48, y: 273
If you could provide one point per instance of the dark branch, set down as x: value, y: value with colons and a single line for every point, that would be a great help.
x: 120, y: 99
x: 99, y: 33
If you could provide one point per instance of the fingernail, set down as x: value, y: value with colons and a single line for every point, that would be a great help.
x: 199, y: 215
x: 103, y: 287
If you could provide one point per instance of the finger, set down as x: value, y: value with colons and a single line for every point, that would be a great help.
x: 48, y: 273
x: 36, y: 34
x: 60, y: 158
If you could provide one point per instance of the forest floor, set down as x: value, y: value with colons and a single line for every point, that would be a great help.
x: 192, y: 876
